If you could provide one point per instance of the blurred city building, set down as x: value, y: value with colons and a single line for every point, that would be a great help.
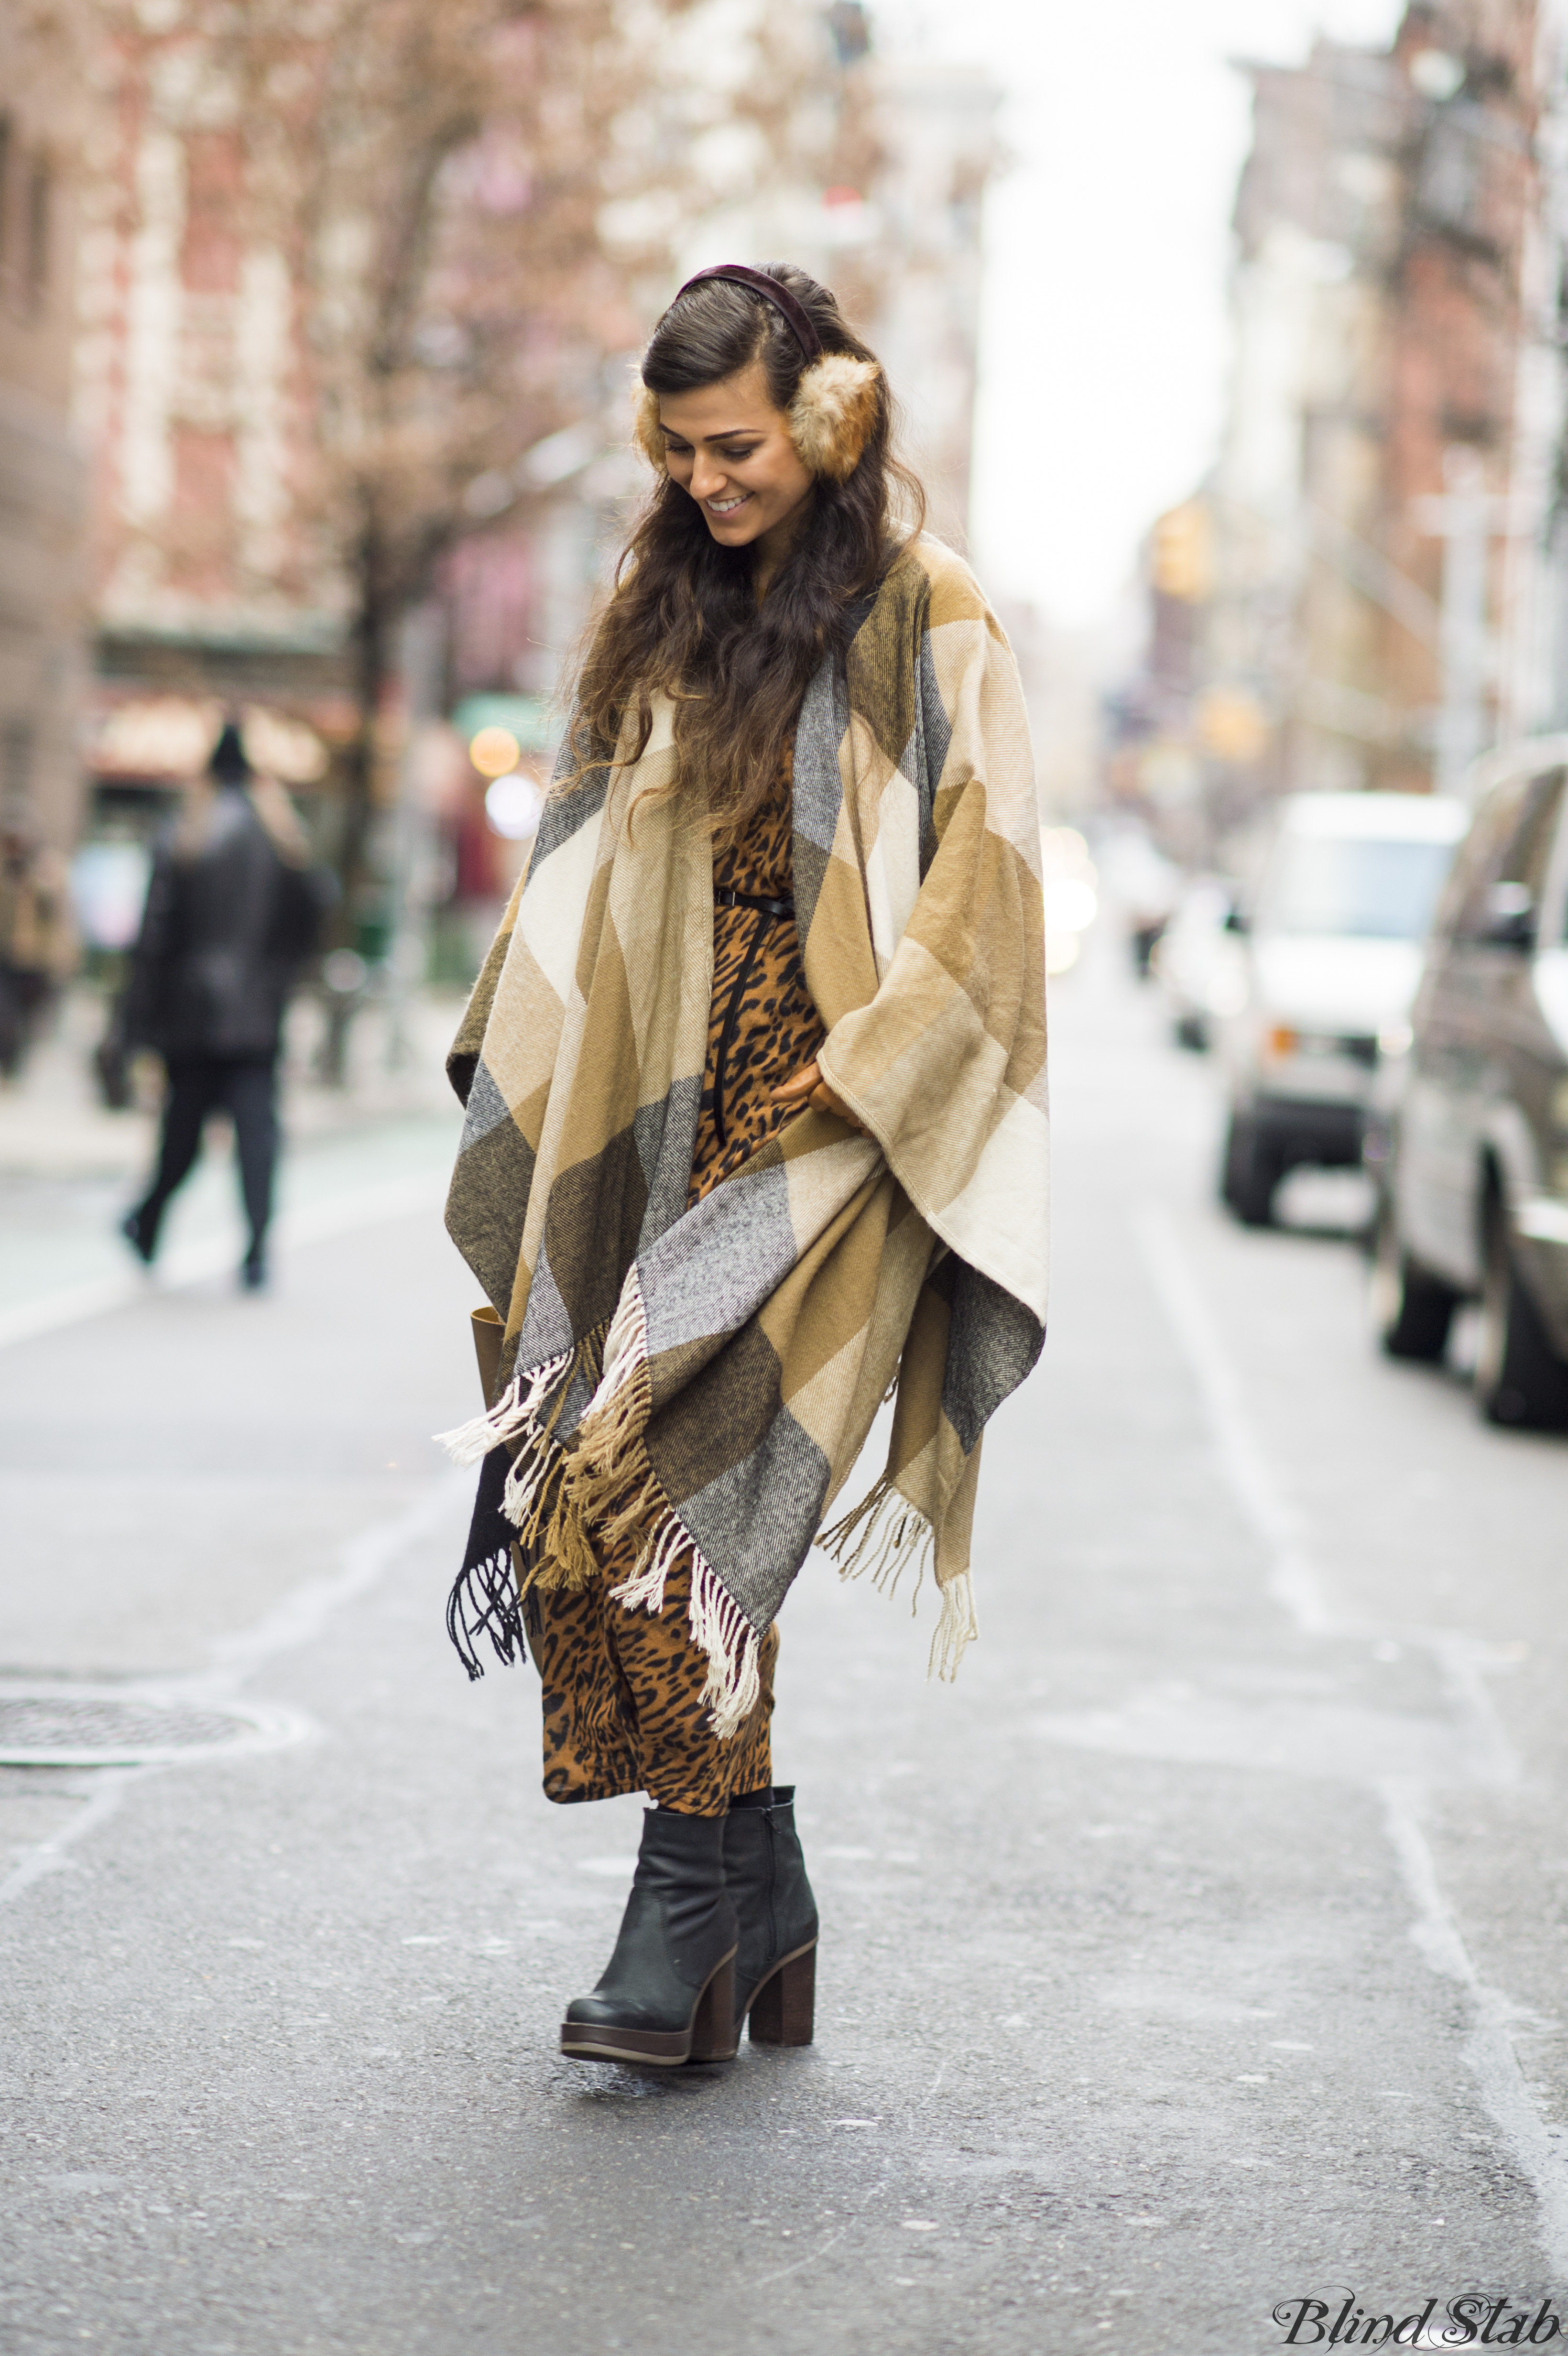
x: 1060, y: 670
x: 935, y: 126
x: 1368, y: 588
x: 343, y: 294
x: 42, y: 486
x: 362, y: 286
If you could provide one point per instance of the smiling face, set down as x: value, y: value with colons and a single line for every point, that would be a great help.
x: 730, y: 448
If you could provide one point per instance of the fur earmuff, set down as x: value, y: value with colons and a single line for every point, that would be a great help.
x: 647, y: 430
x: 834, y: 409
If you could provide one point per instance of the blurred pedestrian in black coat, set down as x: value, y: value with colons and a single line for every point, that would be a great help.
x: 233, y: 911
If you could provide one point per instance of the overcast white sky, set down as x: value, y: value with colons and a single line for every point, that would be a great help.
x: 1104, y: 349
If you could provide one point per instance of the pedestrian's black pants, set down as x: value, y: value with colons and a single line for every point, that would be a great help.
x: 247, y: 1092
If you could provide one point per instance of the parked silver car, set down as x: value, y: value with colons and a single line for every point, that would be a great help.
x: 1333, y: 935
x: 1471, y: 1155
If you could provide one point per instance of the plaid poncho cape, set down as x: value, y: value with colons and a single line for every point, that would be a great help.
x: 707, y: 1377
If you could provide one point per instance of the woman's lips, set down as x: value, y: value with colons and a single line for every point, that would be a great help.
x: 726, y: 507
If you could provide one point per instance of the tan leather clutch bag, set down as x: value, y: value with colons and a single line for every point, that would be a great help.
x: 488, y: 1335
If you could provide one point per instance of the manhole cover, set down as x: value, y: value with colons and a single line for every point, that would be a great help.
x: 78, y: 1728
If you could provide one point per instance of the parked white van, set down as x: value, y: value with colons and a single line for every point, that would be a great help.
x: 1334, y: 937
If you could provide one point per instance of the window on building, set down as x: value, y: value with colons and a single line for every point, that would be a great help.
x: 15, y: 762
x: 7, y: 141
x: 850, y: 33
x: 40, y: 221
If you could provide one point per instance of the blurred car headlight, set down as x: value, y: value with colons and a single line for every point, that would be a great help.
x: 512, y: 806
x: 494, y: 751
x: 345, y: 973
x: 1071, y: 905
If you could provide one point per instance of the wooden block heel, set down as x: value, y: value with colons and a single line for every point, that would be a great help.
x: 713, y: 2023
x: 784, y: 2010
x: 764, y: 1872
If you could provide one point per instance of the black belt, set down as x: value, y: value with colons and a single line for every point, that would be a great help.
x: 724, y: 897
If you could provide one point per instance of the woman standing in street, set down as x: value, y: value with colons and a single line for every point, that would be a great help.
x: 755, y: 1089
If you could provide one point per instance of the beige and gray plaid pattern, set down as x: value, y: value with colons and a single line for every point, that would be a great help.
x: 709, y: 1376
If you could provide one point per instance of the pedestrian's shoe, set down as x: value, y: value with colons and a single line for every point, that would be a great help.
x: 141, y: 1233
x: 775, y: 1965
x: 253, y: 1270
x: 667, y: 1994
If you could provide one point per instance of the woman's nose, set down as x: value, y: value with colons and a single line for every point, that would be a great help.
x: 707, y: 479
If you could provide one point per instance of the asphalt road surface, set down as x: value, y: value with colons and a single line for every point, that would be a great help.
x: 1201, y: 1951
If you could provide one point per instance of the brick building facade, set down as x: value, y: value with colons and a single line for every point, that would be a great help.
x: 42, y: 480
x: 1374, y: 513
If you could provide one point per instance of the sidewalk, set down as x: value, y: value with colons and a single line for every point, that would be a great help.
x: 380, y: 1147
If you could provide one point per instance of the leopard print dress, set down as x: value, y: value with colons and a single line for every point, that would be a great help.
x: 622, y: 1690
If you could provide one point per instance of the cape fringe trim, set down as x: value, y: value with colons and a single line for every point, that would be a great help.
x: 485, y: 1602
x: 645, y: 1586
x: 616, y: 1487
x: 955, y: 1630
x: 510, y: 1417
x: 616, y: 1419
x: 881, y: 1536
x: 606, y: 1487
x: 626, y: 1344
x: 722, y: 1630
x: 537, y: 1498
x: 719, y: 1629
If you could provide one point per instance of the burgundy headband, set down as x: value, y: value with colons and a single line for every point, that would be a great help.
x: 739, y: 274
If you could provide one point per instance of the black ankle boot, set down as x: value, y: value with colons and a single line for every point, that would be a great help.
x: 667, y: 1994
x: 775, y: 1966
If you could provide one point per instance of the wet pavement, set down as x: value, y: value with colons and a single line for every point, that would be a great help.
x: 1199, y: 1952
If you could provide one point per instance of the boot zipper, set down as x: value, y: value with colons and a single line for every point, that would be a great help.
x: 773, y: 1886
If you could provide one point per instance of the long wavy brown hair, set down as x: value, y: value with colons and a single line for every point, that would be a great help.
x: 682, y: 618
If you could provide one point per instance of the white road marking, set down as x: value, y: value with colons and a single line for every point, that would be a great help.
x: 1489, y: 2047
x: 299, y: 1617
x: 1294, y: 1583
x: 1294, y: 1578
x: 50, y: 1856
x: 366, y: 1560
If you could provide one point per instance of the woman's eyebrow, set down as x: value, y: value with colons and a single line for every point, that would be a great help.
x: 732, y: 433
